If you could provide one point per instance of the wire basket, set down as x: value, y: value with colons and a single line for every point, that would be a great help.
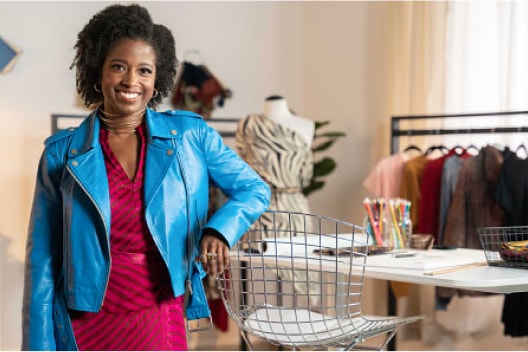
x: 505, y: 246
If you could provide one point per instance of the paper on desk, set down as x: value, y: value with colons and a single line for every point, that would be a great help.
x: 424, y: 260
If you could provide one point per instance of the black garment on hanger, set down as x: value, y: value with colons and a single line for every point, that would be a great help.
x: 512, y: 194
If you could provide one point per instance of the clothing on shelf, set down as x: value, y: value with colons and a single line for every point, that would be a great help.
x: 198, y: 90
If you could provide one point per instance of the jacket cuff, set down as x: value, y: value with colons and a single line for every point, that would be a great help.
x: 209, y: 231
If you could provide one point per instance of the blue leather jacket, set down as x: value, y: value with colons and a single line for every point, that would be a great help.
x: 68, y: 255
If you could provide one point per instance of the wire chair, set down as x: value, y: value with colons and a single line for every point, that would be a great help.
x: 295, y: 280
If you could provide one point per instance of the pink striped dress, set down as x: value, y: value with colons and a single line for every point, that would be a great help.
x: 139, y: 311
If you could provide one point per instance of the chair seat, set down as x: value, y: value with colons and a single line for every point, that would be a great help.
x: 301, y: 327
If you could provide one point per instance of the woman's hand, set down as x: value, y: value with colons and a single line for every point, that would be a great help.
x: 214, y: 254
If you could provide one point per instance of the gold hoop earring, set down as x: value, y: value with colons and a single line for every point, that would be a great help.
x: 98, y: 90
x: 155, y: 93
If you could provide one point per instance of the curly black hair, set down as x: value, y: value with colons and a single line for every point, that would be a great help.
x: 104, y: 30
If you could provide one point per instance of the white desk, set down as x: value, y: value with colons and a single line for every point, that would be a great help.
x: 484, y: 278
x: 385, y: 267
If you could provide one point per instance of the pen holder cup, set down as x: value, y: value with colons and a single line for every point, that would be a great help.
x: 419, y: 241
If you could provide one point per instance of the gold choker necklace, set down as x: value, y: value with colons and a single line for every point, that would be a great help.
x: 121, y: 123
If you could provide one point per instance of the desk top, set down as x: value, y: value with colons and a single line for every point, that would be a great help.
x: 482, y: 278
x: 386, y: 267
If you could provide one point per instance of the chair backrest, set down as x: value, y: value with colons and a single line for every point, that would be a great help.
x: 308, y: 266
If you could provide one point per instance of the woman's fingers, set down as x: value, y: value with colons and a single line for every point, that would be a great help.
x: 214, y: 255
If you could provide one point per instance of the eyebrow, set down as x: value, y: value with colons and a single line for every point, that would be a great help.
x: 126, y: 63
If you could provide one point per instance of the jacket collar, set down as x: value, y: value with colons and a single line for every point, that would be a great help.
x: 158, y: 125
x: 87, y: 135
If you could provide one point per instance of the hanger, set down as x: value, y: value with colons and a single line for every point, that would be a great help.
x: 412, y: 147
x: 439, y: 147
x: 474, y: 147
x: 521, y: 147
x: 458, y: 149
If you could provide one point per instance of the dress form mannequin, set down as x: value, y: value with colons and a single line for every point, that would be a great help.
x: 277, y: 144
x: 276, y: 108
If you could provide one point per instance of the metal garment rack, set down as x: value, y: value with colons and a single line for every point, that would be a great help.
x: 397, y: 131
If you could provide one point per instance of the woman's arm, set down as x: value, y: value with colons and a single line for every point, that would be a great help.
x: 247, y: 194
x: 43, y: 253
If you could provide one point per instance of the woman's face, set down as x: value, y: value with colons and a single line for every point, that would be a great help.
x: 128, y: 77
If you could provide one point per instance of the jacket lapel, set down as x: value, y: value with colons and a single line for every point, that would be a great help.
x: 86, y: 163
x: 86, y: 160
x: 161, y: 152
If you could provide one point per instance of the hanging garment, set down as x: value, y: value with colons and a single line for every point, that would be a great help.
x: 428, y: 211
x: 473, y: 206
x: 384, y: 181
x: 512, y: 189
x: 512, y: 194
x: 450, y: 172
x: 411, y: 185
x: 198, y: 90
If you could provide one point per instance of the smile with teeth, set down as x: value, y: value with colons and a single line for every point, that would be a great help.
x: 128, y: 95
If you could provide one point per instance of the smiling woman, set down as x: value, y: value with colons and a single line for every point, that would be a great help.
x: 119, y: 230
x: 128, y: 77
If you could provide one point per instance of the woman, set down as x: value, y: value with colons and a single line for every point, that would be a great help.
x: 118, y: 230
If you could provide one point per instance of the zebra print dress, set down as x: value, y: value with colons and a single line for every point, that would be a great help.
x: 283, y: 159
x: 281, y: 156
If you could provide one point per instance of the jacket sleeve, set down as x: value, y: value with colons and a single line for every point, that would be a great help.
x: 43, y: 251
x: 247, y: 194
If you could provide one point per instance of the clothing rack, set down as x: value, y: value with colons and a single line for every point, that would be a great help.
x: 462, y: 120
x: 397, y: 131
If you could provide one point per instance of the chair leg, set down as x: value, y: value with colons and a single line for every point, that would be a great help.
x: 390, y: 336
x: 381, y: 347
x: 245, y: 336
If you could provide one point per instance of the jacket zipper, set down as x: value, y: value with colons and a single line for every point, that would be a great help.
x: 106, y: 228
x: 190, y: 236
